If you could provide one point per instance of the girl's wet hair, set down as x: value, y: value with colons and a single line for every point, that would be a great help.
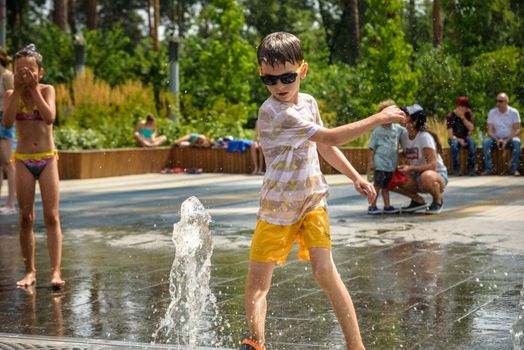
x: 279, y: 48
x: 30, y: 51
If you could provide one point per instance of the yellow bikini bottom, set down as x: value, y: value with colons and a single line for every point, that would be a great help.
x: 36, y: 162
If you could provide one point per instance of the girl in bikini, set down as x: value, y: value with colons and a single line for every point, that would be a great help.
x: 146, y: 133
x: 32, y: 105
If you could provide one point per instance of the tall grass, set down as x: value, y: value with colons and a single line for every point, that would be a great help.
x: 90, y: 105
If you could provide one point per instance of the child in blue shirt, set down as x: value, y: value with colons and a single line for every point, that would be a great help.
x: 383, y: 158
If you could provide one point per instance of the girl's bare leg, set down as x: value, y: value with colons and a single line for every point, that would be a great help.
x: 158, y: 141
x: 433, y: 183
x: 256, y: 288
x: 1, y: 177
x: 6, y: 149
x: 25, y: 190
x: 254, y: 158
x: 11, y: 186
x: 49, y: 188
x: 260, y: 155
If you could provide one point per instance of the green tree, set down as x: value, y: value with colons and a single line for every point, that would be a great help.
x: 494, y: 72
x: 476, y: 26
x: 107, y: 53
x: 268, y: 16
x: 217, y: 69
x: 385, y: 69
x: 341, y: 19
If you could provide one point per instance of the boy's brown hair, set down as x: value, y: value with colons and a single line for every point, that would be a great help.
x: 385, y: 104
x: 279, y: 48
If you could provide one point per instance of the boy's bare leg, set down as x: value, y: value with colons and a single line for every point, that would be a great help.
x: 49, y: 189
x: 256, y: 288
x: 377, y: 189
x: 327, y: 277
x: 25, y: 190
x: 385, y: 197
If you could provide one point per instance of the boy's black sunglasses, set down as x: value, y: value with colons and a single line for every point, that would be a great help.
x: 286, y: 78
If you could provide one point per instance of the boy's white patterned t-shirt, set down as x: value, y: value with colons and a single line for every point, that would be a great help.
x: 293, y: 183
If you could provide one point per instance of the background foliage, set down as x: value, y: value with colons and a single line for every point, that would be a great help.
x: 480, y: 53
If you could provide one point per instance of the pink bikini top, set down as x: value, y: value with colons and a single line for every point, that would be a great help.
x: 23, y: 115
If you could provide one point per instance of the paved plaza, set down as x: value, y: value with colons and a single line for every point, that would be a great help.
x: 448, y: 281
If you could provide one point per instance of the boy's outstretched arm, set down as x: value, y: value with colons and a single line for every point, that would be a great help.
x: 337, y: 160
x: 345, y: 133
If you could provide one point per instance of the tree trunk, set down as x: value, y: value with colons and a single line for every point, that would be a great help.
x: 452, y: 18
x: 354, y: 31
x: 71, y: 16
x: 437, y: 24
x: 327, y: 24
x: 149, y: 21
x: 345, y: 42
x: 91, y: 14
x: 180, y: 19
x: 156, y: 24
x: 412, y: 24
x: 60, y: 14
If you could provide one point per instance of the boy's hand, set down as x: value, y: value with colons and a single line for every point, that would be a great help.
x: 393, y: 114
x: 365, y: 189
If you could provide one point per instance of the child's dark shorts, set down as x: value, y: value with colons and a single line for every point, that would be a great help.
x: 382, y: 178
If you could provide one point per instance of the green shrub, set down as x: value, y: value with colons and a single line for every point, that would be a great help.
x: 75, y: 139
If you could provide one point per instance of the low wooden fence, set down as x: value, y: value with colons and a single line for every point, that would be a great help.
x: 112, y: 162
x: 130, y: 161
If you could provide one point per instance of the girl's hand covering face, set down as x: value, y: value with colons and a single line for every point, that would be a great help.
x: 28, y: 77
x: 19, y: 81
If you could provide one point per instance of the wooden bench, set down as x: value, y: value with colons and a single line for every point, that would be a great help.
x: 130, y: 161
x: 501, y: 160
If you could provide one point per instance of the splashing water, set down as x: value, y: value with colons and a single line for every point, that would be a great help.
x: 191, y: 297
x: 518, y: 327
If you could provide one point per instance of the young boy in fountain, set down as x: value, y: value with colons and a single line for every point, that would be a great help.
x: 294, y: 191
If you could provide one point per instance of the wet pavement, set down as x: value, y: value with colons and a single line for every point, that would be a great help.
x: 449, y: 281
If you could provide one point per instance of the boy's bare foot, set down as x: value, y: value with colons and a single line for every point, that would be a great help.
x: 28, y: 280
x: 56, y: 280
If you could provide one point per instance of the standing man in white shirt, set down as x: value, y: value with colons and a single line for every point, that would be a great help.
x: 503, y: 131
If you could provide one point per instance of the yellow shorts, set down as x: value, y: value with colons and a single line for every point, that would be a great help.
x: 272, y: 243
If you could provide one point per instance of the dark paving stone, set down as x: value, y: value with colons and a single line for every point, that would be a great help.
x: 418, y: 282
